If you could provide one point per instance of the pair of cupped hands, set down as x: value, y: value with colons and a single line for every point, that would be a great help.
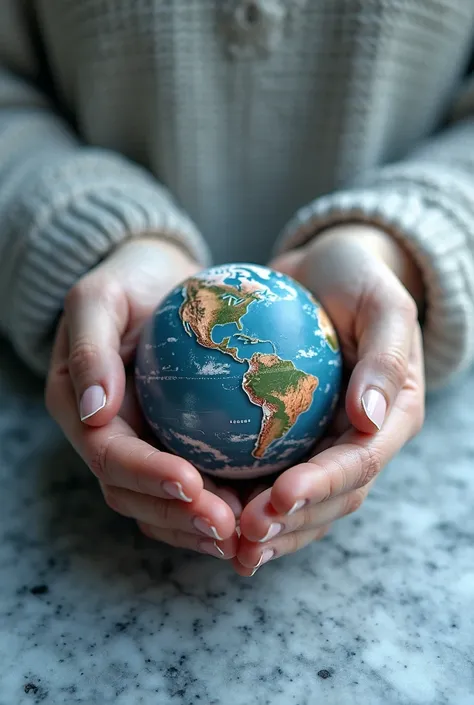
x: 368, y: 285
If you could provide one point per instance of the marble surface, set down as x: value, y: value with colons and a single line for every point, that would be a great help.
x: 381, y: 611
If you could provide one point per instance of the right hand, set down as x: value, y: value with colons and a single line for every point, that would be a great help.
x: 88, y: 395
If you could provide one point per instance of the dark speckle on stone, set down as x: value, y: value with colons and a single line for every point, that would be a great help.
x: 39, y: 590
x: 31, y: 688
x: 197, y: 627
x: 376, y: 589
x: 121, y: 626
x: 325, y: 673
x: 260, y: 615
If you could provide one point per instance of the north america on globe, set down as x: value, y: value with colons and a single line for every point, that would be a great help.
x: 239, y: 371
x: 281, y: 390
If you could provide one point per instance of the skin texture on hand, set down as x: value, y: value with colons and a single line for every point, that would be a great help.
x: 356, y: 272
x: 389, y: 251
x: 91, y: 399
x: 352, y: 270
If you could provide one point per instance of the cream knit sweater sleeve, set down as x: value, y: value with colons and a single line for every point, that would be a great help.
x: 427, y: 202
x: 63, y: 207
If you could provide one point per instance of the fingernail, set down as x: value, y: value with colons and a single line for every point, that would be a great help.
x: 175, y: 490
x: 297, y: 506
x: 272, y: 532
x: 206, y: 528
x: 375, y: 407
x: 266, y: 556
x: 92, y: 401
x: 211, y: 548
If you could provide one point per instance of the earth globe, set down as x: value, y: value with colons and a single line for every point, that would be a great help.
x: 239, y: 371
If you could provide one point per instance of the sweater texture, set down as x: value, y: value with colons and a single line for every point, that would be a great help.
x: 234, y: 127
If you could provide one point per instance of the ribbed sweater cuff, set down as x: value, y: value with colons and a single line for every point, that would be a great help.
x: 437, y: 235
x: 75, y: 214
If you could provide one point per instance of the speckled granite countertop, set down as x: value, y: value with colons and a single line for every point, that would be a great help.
x: 382, y: 611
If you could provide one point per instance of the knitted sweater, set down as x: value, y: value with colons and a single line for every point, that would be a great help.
x: 227, y: 117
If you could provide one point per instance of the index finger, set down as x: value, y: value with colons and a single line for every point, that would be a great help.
x: 113, y: 452
x: 356, y: 458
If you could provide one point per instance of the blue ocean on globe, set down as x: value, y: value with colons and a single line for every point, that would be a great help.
x: 239, y: 371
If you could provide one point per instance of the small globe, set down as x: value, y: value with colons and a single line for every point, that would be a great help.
x: 239, y: 371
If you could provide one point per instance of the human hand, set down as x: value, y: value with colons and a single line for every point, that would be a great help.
x: 351, y: 271
x: 88, y: 396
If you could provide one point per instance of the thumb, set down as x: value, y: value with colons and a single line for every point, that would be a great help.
x: 385, y: 326
x: 96, y: 315
x: 288, y: 262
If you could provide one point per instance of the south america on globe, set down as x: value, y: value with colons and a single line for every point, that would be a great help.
x: 239, y: 371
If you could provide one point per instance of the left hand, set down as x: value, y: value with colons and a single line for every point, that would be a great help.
x: 88, y: 396
x: 356, y: 272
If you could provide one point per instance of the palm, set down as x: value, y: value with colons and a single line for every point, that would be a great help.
x: 144, y: 286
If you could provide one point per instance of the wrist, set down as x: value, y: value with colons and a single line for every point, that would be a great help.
x: 387, y: 249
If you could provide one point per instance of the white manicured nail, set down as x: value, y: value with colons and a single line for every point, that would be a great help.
x: 175, y: 490
x: 92, y: 401
x: 273, y: 531
x: 206, y: 528
x: 297, y: 506
x: 211, y: 548
x: 375, y: 407
x: 266, y: 556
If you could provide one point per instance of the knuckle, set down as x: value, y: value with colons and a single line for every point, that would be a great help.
x: 98, y: 462
x: 294, y: 542
x: 139, y: 483
x: 90, y: 287
x: 393, y: 365
x: 111, y: 497
x: 337, y: 478
x: 174, y: 538
x: 305, y: 517
x: 83, y: 357
x: 408, y: 308
x: 141, y: 476
x: 370, y: 465
x: 160, y: 511
x: 353, y: 501
x: 75, y: 296
x: 333, y: 479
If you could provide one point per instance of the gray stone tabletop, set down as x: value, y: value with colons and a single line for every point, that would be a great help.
x: 381, y: 611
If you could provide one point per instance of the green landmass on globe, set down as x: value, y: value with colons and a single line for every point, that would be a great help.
x: 282, y: 391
